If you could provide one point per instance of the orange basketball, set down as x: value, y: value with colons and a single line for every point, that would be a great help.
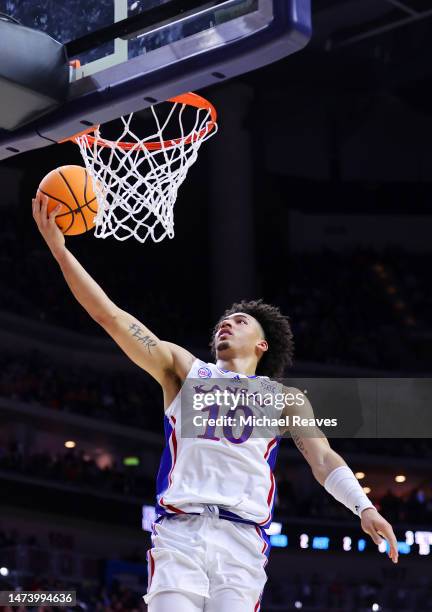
x: 71, y: 186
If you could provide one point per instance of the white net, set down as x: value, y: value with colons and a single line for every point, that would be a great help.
x: 136, y: 180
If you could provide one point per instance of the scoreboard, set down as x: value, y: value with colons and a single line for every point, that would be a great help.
x: 343, y: 539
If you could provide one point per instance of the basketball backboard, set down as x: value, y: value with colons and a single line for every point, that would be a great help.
x: 134, y: 53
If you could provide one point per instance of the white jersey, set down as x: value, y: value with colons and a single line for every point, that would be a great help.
x: 234, y: 479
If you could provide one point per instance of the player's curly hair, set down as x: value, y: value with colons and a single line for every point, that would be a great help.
x: 277, y: 332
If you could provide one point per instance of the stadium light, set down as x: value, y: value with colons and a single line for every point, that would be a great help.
x: 424, y: 541
x: 409, y: 537
x: 359, y: 475
x: 298, y: 605
x: 4, y: 571
x: 320, y: 542
x: 400, y: 478
x: 70, y: 444
x: 361, y: 544
x: 131, y: 461
x: 280, y: 540
x: 274, y: 529
x: 383, y: 546
x: 404, y: 548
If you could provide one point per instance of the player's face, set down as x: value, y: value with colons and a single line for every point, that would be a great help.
x: 238, y: 334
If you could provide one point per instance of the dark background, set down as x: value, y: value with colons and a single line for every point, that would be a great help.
x: 315, y: 196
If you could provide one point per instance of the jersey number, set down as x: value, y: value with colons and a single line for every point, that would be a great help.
x: 213, y: 413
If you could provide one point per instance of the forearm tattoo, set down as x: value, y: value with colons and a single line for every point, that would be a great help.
x: 137, y: 332
x: 299, y: 443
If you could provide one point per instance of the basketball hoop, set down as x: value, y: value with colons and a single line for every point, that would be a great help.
x: 136, y: 180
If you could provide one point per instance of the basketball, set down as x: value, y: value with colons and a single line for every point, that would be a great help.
x: 71, y: 186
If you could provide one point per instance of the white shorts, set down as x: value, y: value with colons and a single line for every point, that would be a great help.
x: 204, y: 555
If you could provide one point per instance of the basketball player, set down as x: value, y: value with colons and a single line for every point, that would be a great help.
x: 214, y: 496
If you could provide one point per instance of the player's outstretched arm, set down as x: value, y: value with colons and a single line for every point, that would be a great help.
x: 160, y: 359
x: 331, y: 471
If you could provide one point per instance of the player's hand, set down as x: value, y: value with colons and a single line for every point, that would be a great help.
x: 378, y: 528
x: 47, y: 225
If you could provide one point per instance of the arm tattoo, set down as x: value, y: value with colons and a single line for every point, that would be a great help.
x: 299, y: 443
x: 137, y: 332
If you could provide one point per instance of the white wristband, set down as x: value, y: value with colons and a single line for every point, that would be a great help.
x: 344, y: 486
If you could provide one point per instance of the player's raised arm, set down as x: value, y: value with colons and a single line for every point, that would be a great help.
x: 160, y: 359
x: 332, y: 472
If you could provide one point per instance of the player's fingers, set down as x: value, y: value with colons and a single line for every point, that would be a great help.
x: 44, y: 207
x: 388, y: 533
x: 377, y: 539
x: 55, y: 211
x: 38, y: 199
x: 394, y: 553
x: 35, y: 204
x: 36, y: 211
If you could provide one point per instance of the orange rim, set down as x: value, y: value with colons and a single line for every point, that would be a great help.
x: 190, y: 99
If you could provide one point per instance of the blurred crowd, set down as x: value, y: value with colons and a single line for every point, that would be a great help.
x: 420, y: 448
x: 31, y: 285
x: 370, y: 311
x: 76, y: 468
x: 355, y: 308
x: 117, y: 598
x: 126, y: 398
x: 417, y: 506
x: 352, y: 317
x: 307, y: 592
x: 414, y: 507
x: 101, y: 591
x: 130, y: 399
x: 330, y: 592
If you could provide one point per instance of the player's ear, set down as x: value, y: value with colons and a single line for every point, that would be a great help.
x: 263, y: 345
